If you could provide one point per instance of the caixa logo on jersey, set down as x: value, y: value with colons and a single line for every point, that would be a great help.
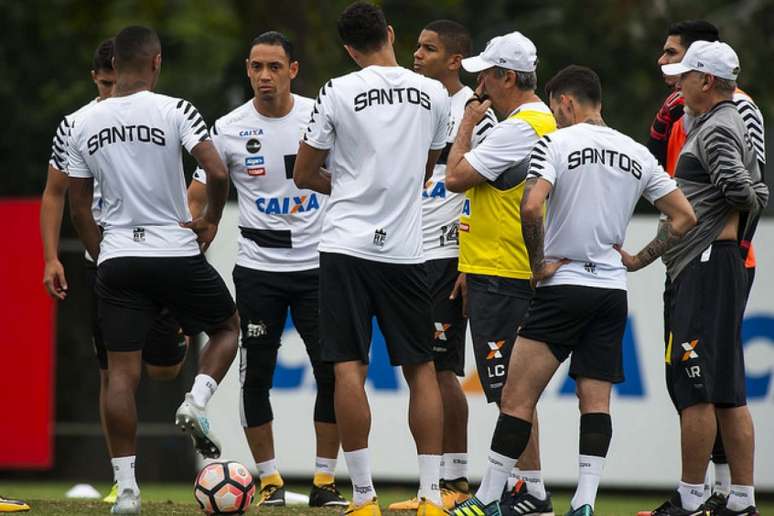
x: 287, y: 205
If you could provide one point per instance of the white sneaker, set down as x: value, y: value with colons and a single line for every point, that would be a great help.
x: 192, y: 418
x: 127, y: 502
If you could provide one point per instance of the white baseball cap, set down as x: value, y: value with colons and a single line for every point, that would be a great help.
x: 513, y: 51
x: 715, y: 58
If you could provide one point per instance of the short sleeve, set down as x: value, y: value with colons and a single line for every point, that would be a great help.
x: 76, y: 164
x: 507, y: 144
x: 321, y: 129
x: 543, y: 161
x: 442, y: 107
x: 191, y: 125
x: 483, y: 128
x: 657, y: 182
x: 217, y: 140
x: 58, y: 158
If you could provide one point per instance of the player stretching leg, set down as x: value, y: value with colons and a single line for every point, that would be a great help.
x: 148, y: 257
x: 167, y: 347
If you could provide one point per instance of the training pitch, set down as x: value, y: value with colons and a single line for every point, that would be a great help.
x: 177, y: 499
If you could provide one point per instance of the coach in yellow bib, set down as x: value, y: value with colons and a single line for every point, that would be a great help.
x: 494, y: 266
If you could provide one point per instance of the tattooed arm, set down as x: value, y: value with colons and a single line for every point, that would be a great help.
x: 536, y: 191
x: 680, y: 219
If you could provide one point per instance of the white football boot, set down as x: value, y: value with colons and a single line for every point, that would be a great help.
x: 192, y: 418
x: 127, y: 502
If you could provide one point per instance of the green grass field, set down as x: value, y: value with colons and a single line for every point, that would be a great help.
x: 177, y: 499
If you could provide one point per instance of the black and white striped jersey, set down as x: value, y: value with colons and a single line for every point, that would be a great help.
x: 58, y: 158
x: 753, y: 121
x: 132, y: 146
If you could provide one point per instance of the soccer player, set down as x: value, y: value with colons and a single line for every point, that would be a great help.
x: 718, y: 170
x: 382, y: 128
x: 595, y: 176
x: 493, y: 259
x: 148, y: 256
x: 164, y: 355
x: 441, y: 46
x: 277, y: 264
x: 667, y: 137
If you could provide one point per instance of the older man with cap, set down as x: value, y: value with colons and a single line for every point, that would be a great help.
x: 494, y: 267
x: 718, y: 170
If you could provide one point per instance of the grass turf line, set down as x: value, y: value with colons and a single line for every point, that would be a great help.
x: 177, y: 499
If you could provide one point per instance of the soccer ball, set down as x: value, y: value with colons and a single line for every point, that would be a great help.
x: 224, y: 488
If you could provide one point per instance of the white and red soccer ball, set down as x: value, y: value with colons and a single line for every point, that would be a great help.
x: 224, y: 488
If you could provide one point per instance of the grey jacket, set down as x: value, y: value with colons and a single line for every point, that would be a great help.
x: 718, y: 171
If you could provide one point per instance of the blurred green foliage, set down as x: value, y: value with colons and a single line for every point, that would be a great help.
x: 47, y: 47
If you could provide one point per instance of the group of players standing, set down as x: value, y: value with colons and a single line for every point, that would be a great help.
x: 417, y: 201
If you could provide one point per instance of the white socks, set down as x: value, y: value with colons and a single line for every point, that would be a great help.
x: 429, y: 478
x: 454, y: 466
x: 324, y: 471
x: 513, y: 477
x: 535, y: 486
x: 722, y: 479
x: 123, y: 472
x: 741, y: 497
x: 325, y: 466
x: 203, y: 388
x: 691, y: 495
x: 495, y: 477
x: 359, y: 468
x: 589, y: 472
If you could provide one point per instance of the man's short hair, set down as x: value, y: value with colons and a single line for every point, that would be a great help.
x: 525, y: 81
x: 454, y: 36
x: 363, y: 27
x: 579, y: 81
x: 103, y: 57
x: 134, y: 46
x: 694, y: 30
x: 273, y: 37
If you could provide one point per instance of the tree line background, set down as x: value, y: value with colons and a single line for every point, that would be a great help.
x: 47, y: 46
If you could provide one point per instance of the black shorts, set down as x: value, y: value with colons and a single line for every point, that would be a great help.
x: 165, y: 343
x: 354, y: 290
x: 132, y: 292
x: 705, y: 305
x: 263, y: 300
x: 588, y: 322
x: 449, y: 324
x: 496, y: 307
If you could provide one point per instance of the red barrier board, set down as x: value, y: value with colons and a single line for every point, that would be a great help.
x: 27, y: 345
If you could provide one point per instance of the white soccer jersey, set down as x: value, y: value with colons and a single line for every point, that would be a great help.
x: 379, y: 124
x: 598, y: 175
x: 131, y: 145
x: 280, y: 224
x: 58, y: 158
x: 508, y: 143
x: 441, y: 208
